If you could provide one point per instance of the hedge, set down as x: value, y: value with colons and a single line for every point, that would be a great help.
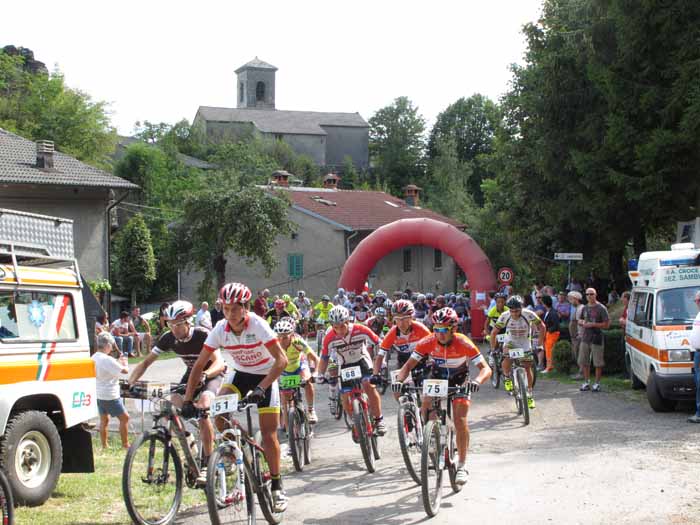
x: 614, y: 353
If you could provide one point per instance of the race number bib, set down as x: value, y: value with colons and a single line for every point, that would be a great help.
x: 224, y: 404
x: 516, y: 353
x: 292, y: 381
x: 394, y: 374
x: 157, y: 390
x: 435, y: 387
x: 350, y: 373
x: 501, y: 338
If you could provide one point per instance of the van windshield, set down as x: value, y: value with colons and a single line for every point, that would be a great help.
x: 676, y: 306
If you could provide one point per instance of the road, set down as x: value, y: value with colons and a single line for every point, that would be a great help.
x: 585, y: 458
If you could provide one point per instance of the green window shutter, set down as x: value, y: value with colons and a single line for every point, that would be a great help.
x: 295, y: 265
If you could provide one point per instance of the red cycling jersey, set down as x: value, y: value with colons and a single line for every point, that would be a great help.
x: 455, y: 355
x: 351, y: 348
x: 404, y: 343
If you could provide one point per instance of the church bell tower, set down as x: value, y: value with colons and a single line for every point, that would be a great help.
x: 256, y: 85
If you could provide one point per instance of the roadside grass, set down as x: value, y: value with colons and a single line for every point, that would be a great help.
x: 82, y: 499
x: 615, y: 384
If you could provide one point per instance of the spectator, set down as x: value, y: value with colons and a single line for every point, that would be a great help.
x: 143, y: 332
x: 217, y: 314
x: 107, y: 371
x: 162, y: 325
x: 613, y: 297
x: 101, y: 324
x: 203, y: 317
x: 260, y: 305
x: 539, y: 308
x: 575, y: 299
x: 625, y: 298
x: 551, y: 322
x: 124, y: 333
x: 563, y: 308
x: 594, y: 319
x: 695, y: 345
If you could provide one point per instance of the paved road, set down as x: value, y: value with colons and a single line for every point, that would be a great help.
x: 585, y: 458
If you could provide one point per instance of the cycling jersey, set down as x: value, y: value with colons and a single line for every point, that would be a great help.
x: 461, y: 310
x: 517, y: 331
x: 376, y: 326
x: 493, y: 314
x: 188, y: 350
x: 404, y: 343
x: 361, y: 313
x: 322, y: 311
x: 454, y: 357
x: 296, y: 349
x: 303, y: 305
x: 352, y: 348
x: 250, y: 349
x: 292, y: 310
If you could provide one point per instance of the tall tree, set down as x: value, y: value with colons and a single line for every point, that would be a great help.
x: 135, y: 264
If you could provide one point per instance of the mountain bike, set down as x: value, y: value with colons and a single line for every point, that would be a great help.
x: 363, y: 426
x: 298, y: 426
x: 410, y: 430
x: 320, y: 333
x: 520, y: 380
x: 7, y: 504
x: 238, y: 469
x: 439, y: 450
x: 495, y: 361
x: 152, y: 477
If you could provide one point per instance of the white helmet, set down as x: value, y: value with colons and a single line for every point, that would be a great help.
x: 286, y: 325
x: 338, y: 314
x: 179, y: 310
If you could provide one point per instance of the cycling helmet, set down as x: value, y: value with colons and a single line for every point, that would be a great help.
x: 402, y: 307
x: 279, y: 303
x: 460, y: 297
x: 380, y: 293
x: 338, y: 314
x: 404, y: 296
x: 414, y: 297
x: 325, y: 298
x: 301, y: 293
x: 359, y: 299
x: 341, y: 291
x: 500, y: 295
x: 286, y: 325
x: 286, y: 298
x: 453, y: 297
x: 179, y: 310
x: 445, y: 316
x: 429, y: 296
x: 421, y: 297
x: 234, y: 293
x: 440, y: 299
x: 381, y: 312
x: 514, y: 304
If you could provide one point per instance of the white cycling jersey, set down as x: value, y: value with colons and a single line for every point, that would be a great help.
x: 518, y: 332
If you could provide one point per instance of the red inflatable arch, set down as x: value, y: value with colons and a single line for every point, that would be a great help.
x: 425, y: 232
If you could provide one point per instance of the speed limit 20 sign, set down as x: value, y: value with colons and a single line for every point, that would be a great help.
x: 505, y: 275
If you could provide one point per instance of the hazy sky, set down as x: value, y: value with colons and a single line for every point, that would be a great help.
x: 158, y: 61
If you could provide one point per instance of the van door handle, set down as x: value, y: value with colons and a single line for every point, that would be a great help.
x: 640, y: 333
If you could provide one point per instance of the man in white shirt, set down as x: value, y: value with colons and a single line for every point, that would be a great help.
x: 203, y: 317
x: 695, y: 345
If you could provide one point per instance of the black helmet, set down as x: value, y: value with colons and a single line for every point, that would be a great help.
x: 514, y: 304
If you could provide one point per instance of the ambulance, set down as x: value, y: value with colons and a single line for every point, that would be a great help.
x: 47, y: 379
x: 660, y: 315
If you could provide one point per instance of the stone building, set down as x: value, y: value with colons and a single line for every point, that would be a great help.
x: 325, y: 137
x: 330, y: 223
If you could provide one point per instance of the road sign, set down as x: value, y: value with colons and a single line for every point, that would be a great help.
x: 568, y: 257
x: 506, y: 275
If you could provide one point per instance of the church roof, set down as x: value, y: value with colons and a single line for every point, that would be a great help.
x: 256, y: 63
x: 279, y: 121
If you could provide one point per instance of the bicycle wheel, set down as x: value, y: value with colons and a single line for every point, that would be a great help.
x: 496, y: 371
x: 152, y: 480
x: 7, y: 504
x: 534, y: 374
x: 409, y: 438
x: 307, y: 441
x: 359, y: 417
x: 522, y: 394
x: 453, y: 460
x: 227, y: 502
x: 384, y: 372
x: 431, y: 468
x: 263, y: 485
x: 374, y: 440
x: 347, y: 418
x: 296, y: 446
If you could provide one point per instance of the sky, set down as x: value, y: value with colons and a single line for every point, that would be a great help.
x: 159, y: 61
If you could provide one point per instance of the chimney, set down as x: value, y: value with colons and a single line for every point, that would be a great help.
x: 280, y: 178
x: 330, y: 181
x: 44, y: 154
x: 411, y: 195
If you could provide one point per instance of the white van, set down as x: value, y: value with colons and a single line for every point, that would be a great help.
x: 659, y: 317
x: 47, y: 379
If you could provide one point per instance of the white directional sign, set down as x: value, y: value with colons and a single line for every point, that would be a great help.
x: 568, y: 257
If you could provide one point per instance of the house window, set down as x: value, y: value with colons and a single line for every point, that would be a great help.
x: 260, y: 92
x: 240, y: 92
x: 295, y: 265
x: 407, y: 260
x: 437, y: 260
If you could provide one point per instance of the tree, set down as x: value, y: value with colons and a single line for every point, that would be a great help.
x: 135, y: 263
x: 397, y: 144
x: 242, y: 219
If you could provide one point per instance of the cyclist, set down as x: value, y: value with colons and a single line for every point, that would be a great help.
x: 518, y: 325
x: 378, y: 321
x: 296, y: 349
x: 360, y: 311
x: 403, y: 336
x: 290, y: 307
x: 303, y: 304
x: 347, y: 342
x: 187, y: 342
x: 277, y: 312
x: 451, y: 353
x: 494, y: 313
x: 258, y: 360
x: 462, y: 309
x: 421, y: 308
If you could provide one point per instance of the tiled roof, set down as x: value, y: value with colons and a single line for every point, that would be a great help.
x: 256, y: 63
x: 359, y: 210
x: 279, y: 121
x: 18, y: 166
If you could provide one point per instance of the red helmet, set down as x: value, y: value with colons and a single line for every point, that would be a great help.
x: 279, y: 303
x: 235, y: 293
x: 445, y: 316
x: 402, y: 307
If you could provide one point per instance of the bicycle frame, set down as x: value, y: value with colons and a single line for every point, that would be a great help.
x: 358, y: 393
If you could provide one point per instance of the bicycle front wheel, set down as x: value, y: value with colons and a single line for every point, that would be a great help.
x: 453, y: 460
x: 296, y: 441
x: 359, y: 418
x: 152, y: 480
x: 409, y: 438
x: 522, y: 394
x: 7, y: 504
x: 495, y: 371
x: 230, y: 497
x: 263, y: 485
x: 431, y: 463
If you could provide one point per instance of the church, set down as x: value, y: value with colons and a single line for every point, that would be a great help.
x: 327, y: 138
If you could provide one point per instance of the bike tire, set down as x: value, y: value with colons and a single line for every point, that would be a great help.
x: 348, y: 419
x: 7, y: 503
x: 295, y: 445
x: 454, y: 458
x: 307, y: 441
x: 222, y: 512
x: 495, y: 374
x: 534, y: 375
x: 374, y: 440
x: 263, y: 485
x: 522, y: 388
x: 432, y: 451
x: 385, y: 383
x: 134, y: 460
x: 359, y: 418
x: 406, y: 417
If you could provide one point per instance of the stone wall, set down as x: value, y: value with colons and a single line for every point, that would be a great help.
x: 342, y: 141
x: 250, y: 78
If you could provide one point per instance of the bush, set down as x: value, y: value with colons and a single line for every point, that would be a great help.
x: 563, y: 360
x: 614, y: 341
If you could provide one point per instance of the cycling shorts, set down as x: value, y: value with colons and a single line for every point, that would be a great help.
x: 242, y: 383
x: 366, y: 374
x: 210, y: 388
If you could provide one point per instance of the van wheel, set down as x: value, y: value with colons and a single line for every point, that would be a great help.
x: 636, y: 383
x: 658, y: 403
x: 32, y: 456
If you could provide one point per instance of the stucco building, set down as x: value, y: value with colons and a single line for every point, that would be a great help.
x: 330, y: 223
x: 325, y: 137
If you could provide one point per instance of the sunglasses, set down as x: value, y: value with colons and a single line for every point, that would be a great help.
x: 173, y: 324
x: 441, y: 329
x: 590, y: 294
